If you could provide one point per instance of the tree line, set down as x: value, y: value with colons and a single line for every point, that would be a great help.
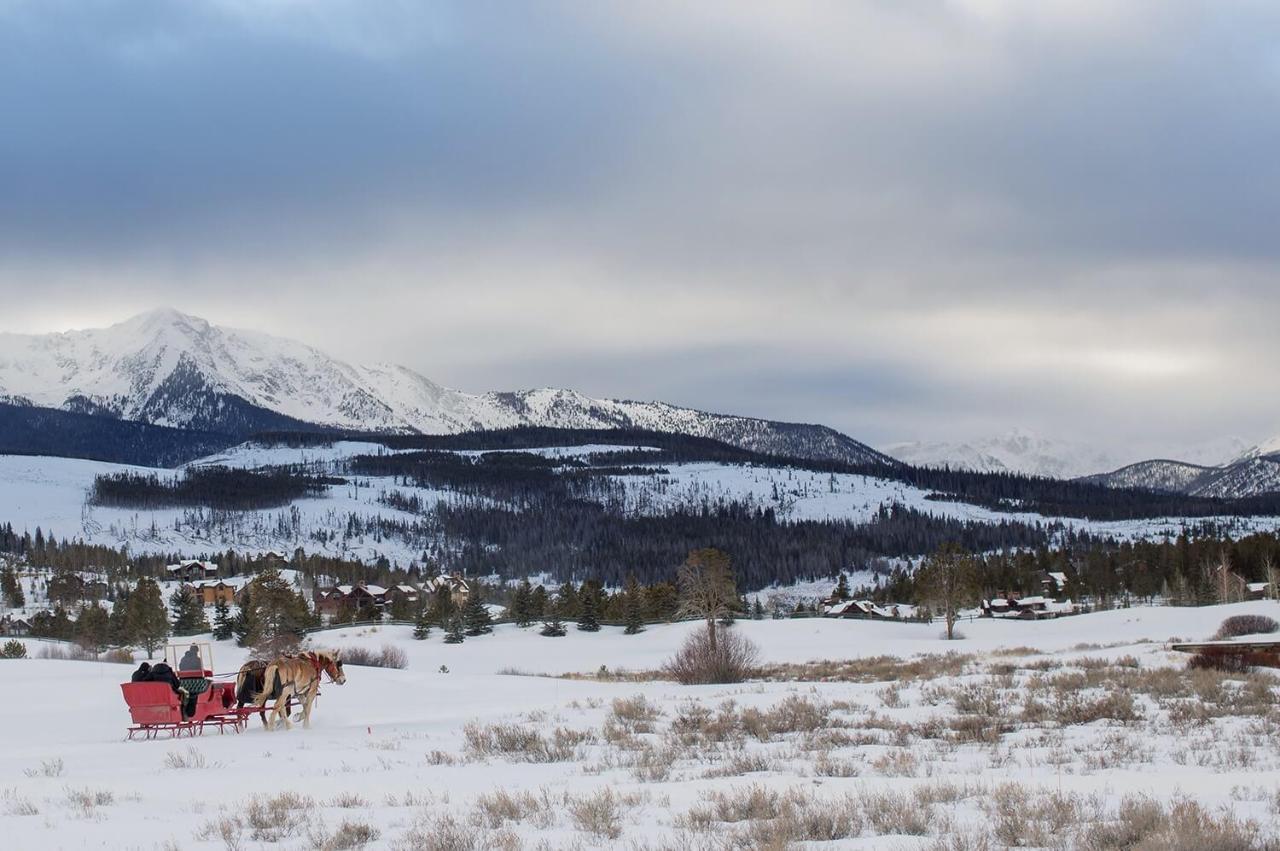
x: 225, y: 488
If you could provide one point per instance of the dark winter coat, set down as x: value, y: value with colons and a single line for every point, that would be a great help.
x: 143, y: 674
x: 191, y: 661
x: 162, y: 673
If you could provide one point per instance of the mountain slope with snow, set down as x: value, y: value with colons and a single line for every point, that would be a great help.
x: 1245, y: 478
x: 171, y: 369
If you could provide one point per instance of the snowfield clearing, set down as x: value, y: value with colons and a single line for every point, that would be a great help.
x: 1027, y: 733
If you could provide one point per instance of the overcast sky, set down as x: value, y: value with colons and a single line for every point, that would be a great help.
x: 903, y: 218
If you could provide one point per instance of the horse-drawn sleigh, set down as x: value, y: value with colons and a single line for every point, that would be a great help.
x: 188, y: 698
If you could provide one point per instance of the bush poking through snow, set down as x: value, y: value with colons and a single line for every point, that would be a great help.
x: 522, y: 743
x: 1238, y: 625
x: 389, y: 656
x: 13, y: 649
x: 600, y: 814
x: 732, y: 658
x: 440, y: 834
x: 48, y: 768
x: 192, y: 758
x: 349, y: 835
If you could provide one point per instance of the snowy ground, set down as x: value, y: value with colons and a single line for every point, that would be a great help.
x: 493, y: 754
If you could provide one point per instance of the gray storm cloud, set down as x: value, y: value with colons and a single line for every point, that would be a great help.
x: 925, y: 219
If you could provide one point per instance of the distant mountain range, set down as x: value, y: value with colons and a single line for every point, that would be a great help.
x: 1227, y: 468
x: 1248, y: 476
x: 1016, y: 451
x: 166, y: 368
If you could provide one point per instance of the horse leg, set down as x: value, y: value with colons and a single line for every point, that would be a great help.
x: 306, y: 705
x: 282, y: 706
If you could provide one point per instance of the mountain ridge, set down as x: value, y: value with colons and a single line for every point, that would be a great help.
x: 171, y: 369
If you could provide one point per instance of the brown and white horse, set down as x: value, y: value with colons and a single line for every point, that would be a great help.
x: 297, y: 676
x: 251, y: 682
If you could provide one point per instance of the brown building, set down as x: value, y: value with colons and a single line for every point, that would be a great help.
x: 191, y: 570
x: 210, y: 593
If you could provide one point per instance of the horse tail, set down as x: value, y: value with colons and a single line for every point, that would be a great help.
x: 270, y: 685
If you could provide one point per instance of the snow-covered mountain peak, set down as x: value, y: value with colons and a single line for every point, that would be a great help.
x: 1262, y: 450
x: 170, y: 368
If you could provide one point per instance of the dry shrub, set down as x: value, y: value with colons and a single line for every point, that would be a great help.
x: 1238, y: 625
x: 84, y: 801
x: 1142, y: 824
x: 653, y: 764
x: 14, y: 804
x: 118, y: 656
x: 1114, y: 706
x: 494, y: 809
x: 192, y: 758
x: 389, y: 656
x: 349, y: 835
x: 897, y: 813
x: 873, y: 669
x: 441, y: 834
x: 635, y: 714
x: 48, y: 768
x: 276, y: 817
x: 1229, y: 663
x: 733, y: 658
x: 599, y: 814
x: 522, y: 743
x: 348, y: 801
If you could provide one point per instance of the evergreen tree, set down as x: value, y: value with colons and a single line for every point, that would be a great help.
x: 538, y: 603
x: 842, y: 588
x: 442, y: 607
x: 222, y: 623
x: 757, y: 610
x: 146, y: 620
x: 587, y: 618
x: 455, y: 632
x: 567, y: 603
x: 632, y: 607
x: 553, y: 628
x: 422, y: 627
x: 242, y: 626
x: 522, y: 603
x: 11, y: 589
x: 188, y: 613
x: 277, y: 615
x: 118, y: 625
x: 475, y: 616
x: 91, y: 628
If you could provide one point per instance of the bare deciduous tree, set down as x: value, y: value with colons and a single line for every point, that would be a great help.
x: 947, y: 583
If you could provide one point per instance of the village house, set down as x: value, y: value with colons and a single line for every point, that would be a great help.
x: 866, y: 610
x: 190, y: 570
x: 406, y: 594
x: 457, y: 585
x: 1017, y: 607
x: 16, y: 627
x: 349, y: 599
x: 211, y: 593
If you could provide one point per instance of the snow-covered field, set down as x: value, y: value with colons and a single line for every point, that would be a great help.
x: 1030, y: 734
